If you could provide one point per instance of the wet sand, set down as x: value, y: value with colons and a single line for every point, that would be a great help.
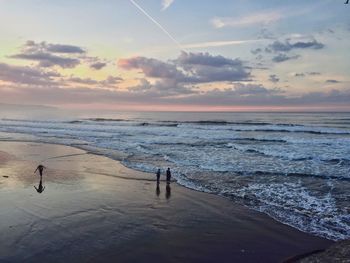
x: 93, y: 209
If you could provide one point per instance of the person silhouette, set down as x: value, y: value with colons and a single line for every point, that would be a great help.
x: 40, y: 188
x: 158, y: 176
x: 41, y: 169
x: 168, y: 175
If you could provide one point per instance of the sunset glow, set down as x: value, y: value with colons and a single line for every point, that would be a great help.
x: 161, y: 55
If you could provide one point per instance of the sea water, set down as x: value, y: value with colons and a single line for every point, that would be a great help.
x: 295, y: 167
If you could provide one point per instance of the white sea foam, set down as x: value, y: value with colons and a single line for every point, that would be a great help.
x: 293, y: 204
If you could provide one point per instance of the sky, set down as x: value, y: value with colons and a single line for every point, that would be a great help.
x: 203, y: 55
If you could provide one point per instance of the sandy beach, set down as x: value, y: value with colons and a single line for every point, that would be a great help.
x: 94, y: 209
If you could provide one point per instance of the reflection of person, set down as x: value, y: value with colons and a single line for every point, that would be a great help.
x: 40, y: 188
x: 41, y: 169
x: 168, y: 175
x: 158, y: 176
x: 167, y: 191
x: 158, y: 190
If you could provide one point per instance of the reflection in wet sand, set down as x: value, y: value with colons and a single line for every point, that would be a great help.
x: 168, y: 191
x: 158, y: 190
x: 40, y: 187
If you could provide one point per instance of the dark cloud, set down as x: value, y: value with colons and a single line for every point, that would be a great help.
x: 273, y: 78
x: 98, y: 65
x: 110, y: 81
x: 61, y: 55
x: 30, y: 76
x: 58, y: 48
x: 265, y: 34
x: 313, y: 73
x: 162, y: 88
x: 205, y: 59
x: 204, y: 74
x: 26, y: 75
x: 48, y: 60
x: 203, y: 67
x: 178, y: 76
x: 303, y: 74
x: 252, y: 89
x: 334, y: 81
x: 151, y: 67
x: 86, y: 81
x: 278, y: 46
x: 312, y: 44
x: 49, y: 55
x: 256, y: 51
x: 190, y: 68
x: 33, y: 47
x: 283, y: 57
x: 280, y: 49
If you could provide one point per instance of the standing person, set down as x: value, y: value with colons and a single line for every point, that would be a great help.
x: 168, y: 175
x: 41, y: 169
x: 158, y: 176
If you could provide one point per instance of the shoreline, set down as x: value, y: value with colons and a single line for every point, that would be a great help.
x: 184, y: 216
x: 117, y: 158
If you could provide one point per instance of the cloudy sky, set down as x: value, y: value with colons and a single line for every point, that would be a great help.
x: 176, y: 54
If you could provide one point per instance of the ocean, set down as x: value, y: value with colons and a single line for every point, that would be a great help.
x: 294, y: 167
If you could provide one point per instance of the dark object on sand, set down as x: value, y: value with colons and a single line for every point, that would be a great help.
x: 5, y: 176
x: 158, y: 176
x: 40, y: 168
x: 168, y: 175
x: 40, y: 187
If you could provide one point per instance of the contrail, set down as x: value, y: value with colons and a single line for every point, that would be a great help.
x: 220, y: 43
x: 156, y: 23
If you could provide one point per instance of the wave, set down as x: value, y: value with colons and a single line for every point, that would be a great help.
x: 201, y: 122
x: 338, y: 161
x: 106, y: 119
x: 333, y: 161
x: 158, y: 124
x: 269, y: 127
x: 248, y: 123
x: 294, y: 204
x: 29, y: 121
x: 76, y: 121
x: 294, y: 131
x: 291, y: 174
x: 227, y: 143
x: 260, y: 140
x: 214, y: 122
